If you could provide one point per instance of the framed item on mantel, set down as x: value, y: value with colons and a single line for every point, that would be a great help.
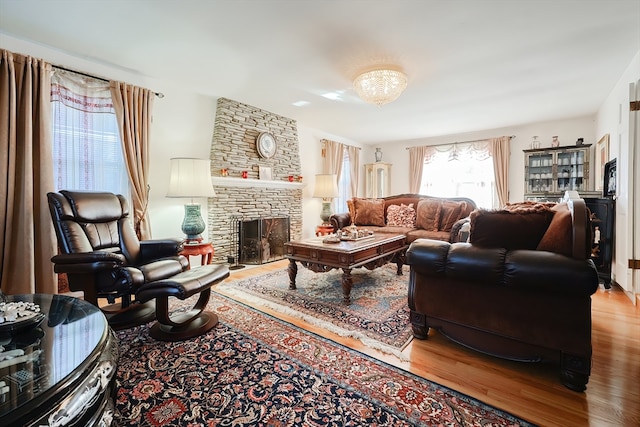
x: 610, y: 179
x: 602, y: 157
x: 264, y: 173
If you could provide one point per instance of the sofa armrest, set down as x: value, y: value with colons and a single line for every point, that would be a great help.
x: 87, y: 262
x: 460, y: 230
x: 581, y: 227
x: 340, y: 221
x: 560, y: 275
x: 516, y: 269
x: 151, y: 250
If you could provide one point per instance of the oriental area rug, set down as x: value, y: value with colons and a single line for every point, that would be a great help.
x: 255, y: 370
x: 378, y: 314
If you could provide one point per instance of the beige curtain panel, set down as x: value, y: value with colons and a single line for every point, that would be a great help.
x: 27, y: 240
x: 332, y: 162
x: 354, y: 162
x: 416, y: 165
x: 500, y: 153
x: 133, y: 106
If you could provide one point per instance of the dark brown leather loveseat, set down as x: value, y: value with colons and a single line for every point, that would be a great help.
x: 519, y: 289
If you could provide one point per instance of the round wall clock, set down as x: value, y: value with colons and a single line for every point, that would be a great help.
x: 266, y: 145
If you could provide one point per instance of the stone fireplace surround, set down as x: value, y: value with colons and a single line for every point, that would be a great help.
x: 233, y: 148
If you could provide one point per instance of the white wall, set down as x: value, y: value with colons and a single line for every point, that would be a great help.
x: 568, y: 131
x: 613, y: 118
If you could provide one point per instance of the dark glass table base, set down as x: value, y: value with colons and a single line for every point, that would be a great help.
x: 66, y: 372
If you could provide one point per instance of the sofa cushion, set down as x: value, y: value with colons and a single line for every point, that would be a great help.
x: 559, y: 235
x: 428, y: 214
x: 387, y: 229
x: 418, y: 233
x: 401, y: 216
x: 510, y: 229
x: 352, y: 209
x: 369, y: 212
x: 450, y: 213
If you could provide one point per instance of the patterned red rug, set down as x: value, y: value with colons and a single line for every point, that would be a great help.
x: 255, y: 370
x: 378, y: 314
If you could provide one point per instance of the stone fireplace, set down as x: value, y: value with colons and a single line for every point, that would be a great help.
x: 262, y: 240
x: 233, y: 148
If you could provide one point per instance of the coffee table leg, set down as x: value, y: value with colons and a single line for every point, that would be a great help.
x: 347, y: 281
x: 293, y: 271
x: 400, y: 258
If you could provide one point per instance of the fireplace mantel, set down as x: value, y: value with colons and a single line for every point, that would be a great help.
x: 225, y: 181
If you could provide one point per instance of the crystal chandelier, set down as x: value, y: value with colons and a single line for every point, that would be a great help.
x: 381, y: 86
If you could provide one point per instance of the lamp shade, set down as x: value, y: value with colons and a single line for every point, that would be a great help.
x: 190, y: 178
x: 326, y: 186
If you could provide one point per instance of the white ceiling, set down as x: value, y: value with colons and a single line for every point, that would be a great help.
x: 471, y: 64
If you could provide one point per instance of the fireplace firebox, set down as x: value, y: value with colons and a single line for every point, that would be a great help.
x: 262, y: 240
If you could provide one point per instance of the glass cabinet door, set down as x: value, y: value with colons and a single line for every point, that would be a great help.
x: 539, y: 175
x: 377, y: 179
x: 551, y: 172
x: 571, y: 170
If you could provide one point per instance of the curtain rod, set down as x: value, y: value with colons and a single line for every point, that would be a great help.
x: 453, y: 143
x: 325, y: 139
x: 158, y: 94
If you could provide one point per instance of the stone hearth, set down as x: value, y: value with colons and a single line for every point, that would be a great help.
x: 233, y: 148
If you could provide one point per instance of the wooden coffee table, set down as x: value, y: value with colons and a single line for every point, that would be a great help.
x: 369, y: 253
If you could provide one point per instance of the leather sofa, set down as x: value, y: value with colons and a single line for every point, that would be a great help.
x: 520, y: 289
x: 415, y: 215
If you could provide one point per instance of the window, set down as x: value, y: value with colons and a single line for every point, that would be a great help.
x: 344, y: 185
x: 460, y: 173
x: 87, y: 152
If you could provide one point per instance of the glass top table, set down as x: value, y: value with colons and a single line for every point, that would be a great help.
x: 57, y: 368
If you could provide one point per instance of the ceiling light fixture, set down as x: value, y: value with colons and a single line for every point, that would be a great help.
x: 380, y: 86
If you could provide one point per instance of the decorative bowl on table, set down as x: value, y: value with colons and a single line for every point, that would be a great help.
x: 19, y: 315
x: 352, y: 233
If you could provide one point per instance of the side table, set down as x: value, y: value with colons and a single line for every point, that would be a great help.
x: 205, y: 250
x: 65, y: 372
x: 323, y: 230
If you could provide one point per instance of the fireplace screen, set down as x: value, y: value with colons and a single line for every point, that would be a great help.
x: 262, y: 240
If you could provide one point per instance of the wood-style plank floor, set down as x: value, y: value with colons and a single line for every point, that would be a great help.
x: 530, y: 391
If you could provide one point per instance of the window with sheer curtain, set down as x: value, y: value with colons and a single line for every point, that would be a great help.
x: 460, y: 170
x: 344, y: 185
x: 87, y: 151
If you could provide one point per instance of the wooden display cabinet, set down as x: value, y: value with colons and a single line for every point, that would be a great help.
x: 377, y: 179
x: 549, y: 172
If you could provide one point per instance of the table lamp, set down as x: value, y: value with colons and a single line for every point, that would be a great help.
x: 191, y: 178
x: 326, y: 188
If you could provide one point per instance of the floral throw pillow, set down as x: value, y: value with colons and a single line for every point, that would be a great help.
x: 401, y: 216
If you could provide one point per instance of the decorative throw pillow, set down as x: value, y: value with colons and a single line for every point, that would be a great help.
x: 451, y: 213
x: 401, y: 216
x: 529, y: 207
x: 508, y: 229
x: 369, y: 212
x: 559, y: 236
x: 428, y: 214
x: 352, y: 210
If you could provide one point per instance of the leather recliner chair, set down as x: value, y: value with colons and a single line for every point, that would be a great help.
x: 102, y: 256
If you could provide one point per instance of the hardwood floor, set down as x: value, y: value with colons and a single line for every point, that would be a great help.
x: 530, y: 391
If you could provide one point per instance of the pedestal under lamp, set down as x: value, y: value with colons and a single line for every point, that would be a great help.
x: 326, y: 188
x: 191, y: 178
